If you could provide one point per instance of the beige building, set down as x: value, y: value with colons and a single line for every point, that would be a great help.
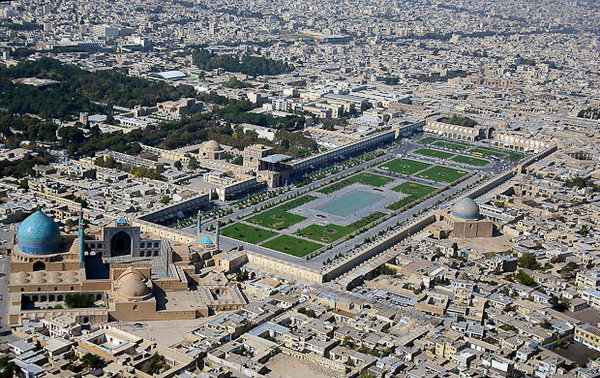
x: 454, y: 131
x: 464, y: 221
x: 119, y: 274
x: 211, y: 150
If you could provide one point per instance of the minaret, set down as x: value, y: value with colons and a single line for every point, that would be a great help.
x: 81, y: 236
x: 217, y: 236
x: 198, y: 225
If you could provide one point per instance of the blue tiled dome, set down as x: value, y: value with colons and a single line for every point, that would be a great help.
x: 466, y: 208
x: 39, y: 235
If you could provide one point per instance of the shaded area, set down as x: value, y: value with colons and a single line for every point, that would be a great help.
x: 95, y: 269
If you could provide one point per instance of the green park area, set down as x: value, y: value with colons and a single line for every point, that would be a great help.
x: 276, y: 218
x: 434, y: 153
x: 404, y: 166
x: 470, y: 160
x: 279, y: 218
x: 499, y: 153
x: 292, y: 246
x: 458, y: 146
x: 414, y: 190
x: 442, y: 174
x: 451, y: 145
x: 362, y: 178
x: 249, y: 234
x: 332, y: 232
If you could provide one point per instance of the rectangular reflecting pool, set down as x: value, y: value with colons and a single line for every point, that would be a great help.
x: 349, y: 203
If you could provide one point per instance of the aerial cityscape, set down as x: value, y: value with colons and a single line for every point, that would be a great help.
x: 300, y: 188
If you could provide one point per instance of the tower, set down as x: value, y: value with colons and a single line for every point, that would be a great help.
x: 198, y: 224
x: 217, y: 235
x: 81, y: 236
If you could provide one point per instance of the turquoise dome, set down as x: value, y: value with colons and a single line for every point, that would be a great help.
x: 39, y: 235
x: 466, y: 208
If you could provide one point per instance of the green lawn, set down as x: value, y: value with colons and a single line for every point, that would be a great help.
x: 434, y: 153
x: 470, y: 160
x: 332, y: 232
x: 292, y: 246
x: 296, y: 202
x: 365, y: 178
x: 428, y: 140
x: 404, y: 166
x: 414, y: 189
x: 451, y: 145
x: 247, y: 233
x: 442, y: 174
x: 326, y: 234
x: 278, y: 217
x: 458, y: 146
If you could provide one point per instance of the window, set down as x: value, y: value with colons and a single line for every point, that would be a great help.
x: 135, y: 307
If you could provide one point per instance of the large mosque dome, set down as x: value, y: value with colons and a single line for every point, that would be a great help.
x: 39, y: 235
x: 212, y: 145
x: 131, y: 285
x: 466, y: 208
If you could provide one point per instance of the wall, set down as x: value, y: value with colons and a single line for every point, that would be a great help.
x: 335, y: 271
x: 188, y: 205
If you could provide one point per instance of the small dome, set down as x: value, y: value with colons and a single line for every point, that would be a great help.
x: 211, y: 145
x: 21, y: 281
x: 466, y: 208
x: 39, y: 235
x: 38, y: 281
x: 133, y: 288
x: 69, y: 279
x: 504, y: 125
x: 130, y: 274
x: 22, y: 274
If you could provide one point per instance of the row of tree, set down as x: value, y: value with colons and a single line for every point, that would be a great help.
x: 78, y: 90
x: 250, y: 65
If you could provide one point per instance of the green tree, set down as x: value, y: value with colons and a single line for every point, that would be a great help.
x: 91, y: 361
x: 154, y: 365
x: 178, y: 165
x: 528, y: 261
x: 8, y: 369
x: 546, y: 324
x: 559, y: 304
x: 525, y: 278
x: 79, y: 300
x: 71, y: 135
x: 387, y: 270
x: 193, y: 164
x: 106, y: 162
